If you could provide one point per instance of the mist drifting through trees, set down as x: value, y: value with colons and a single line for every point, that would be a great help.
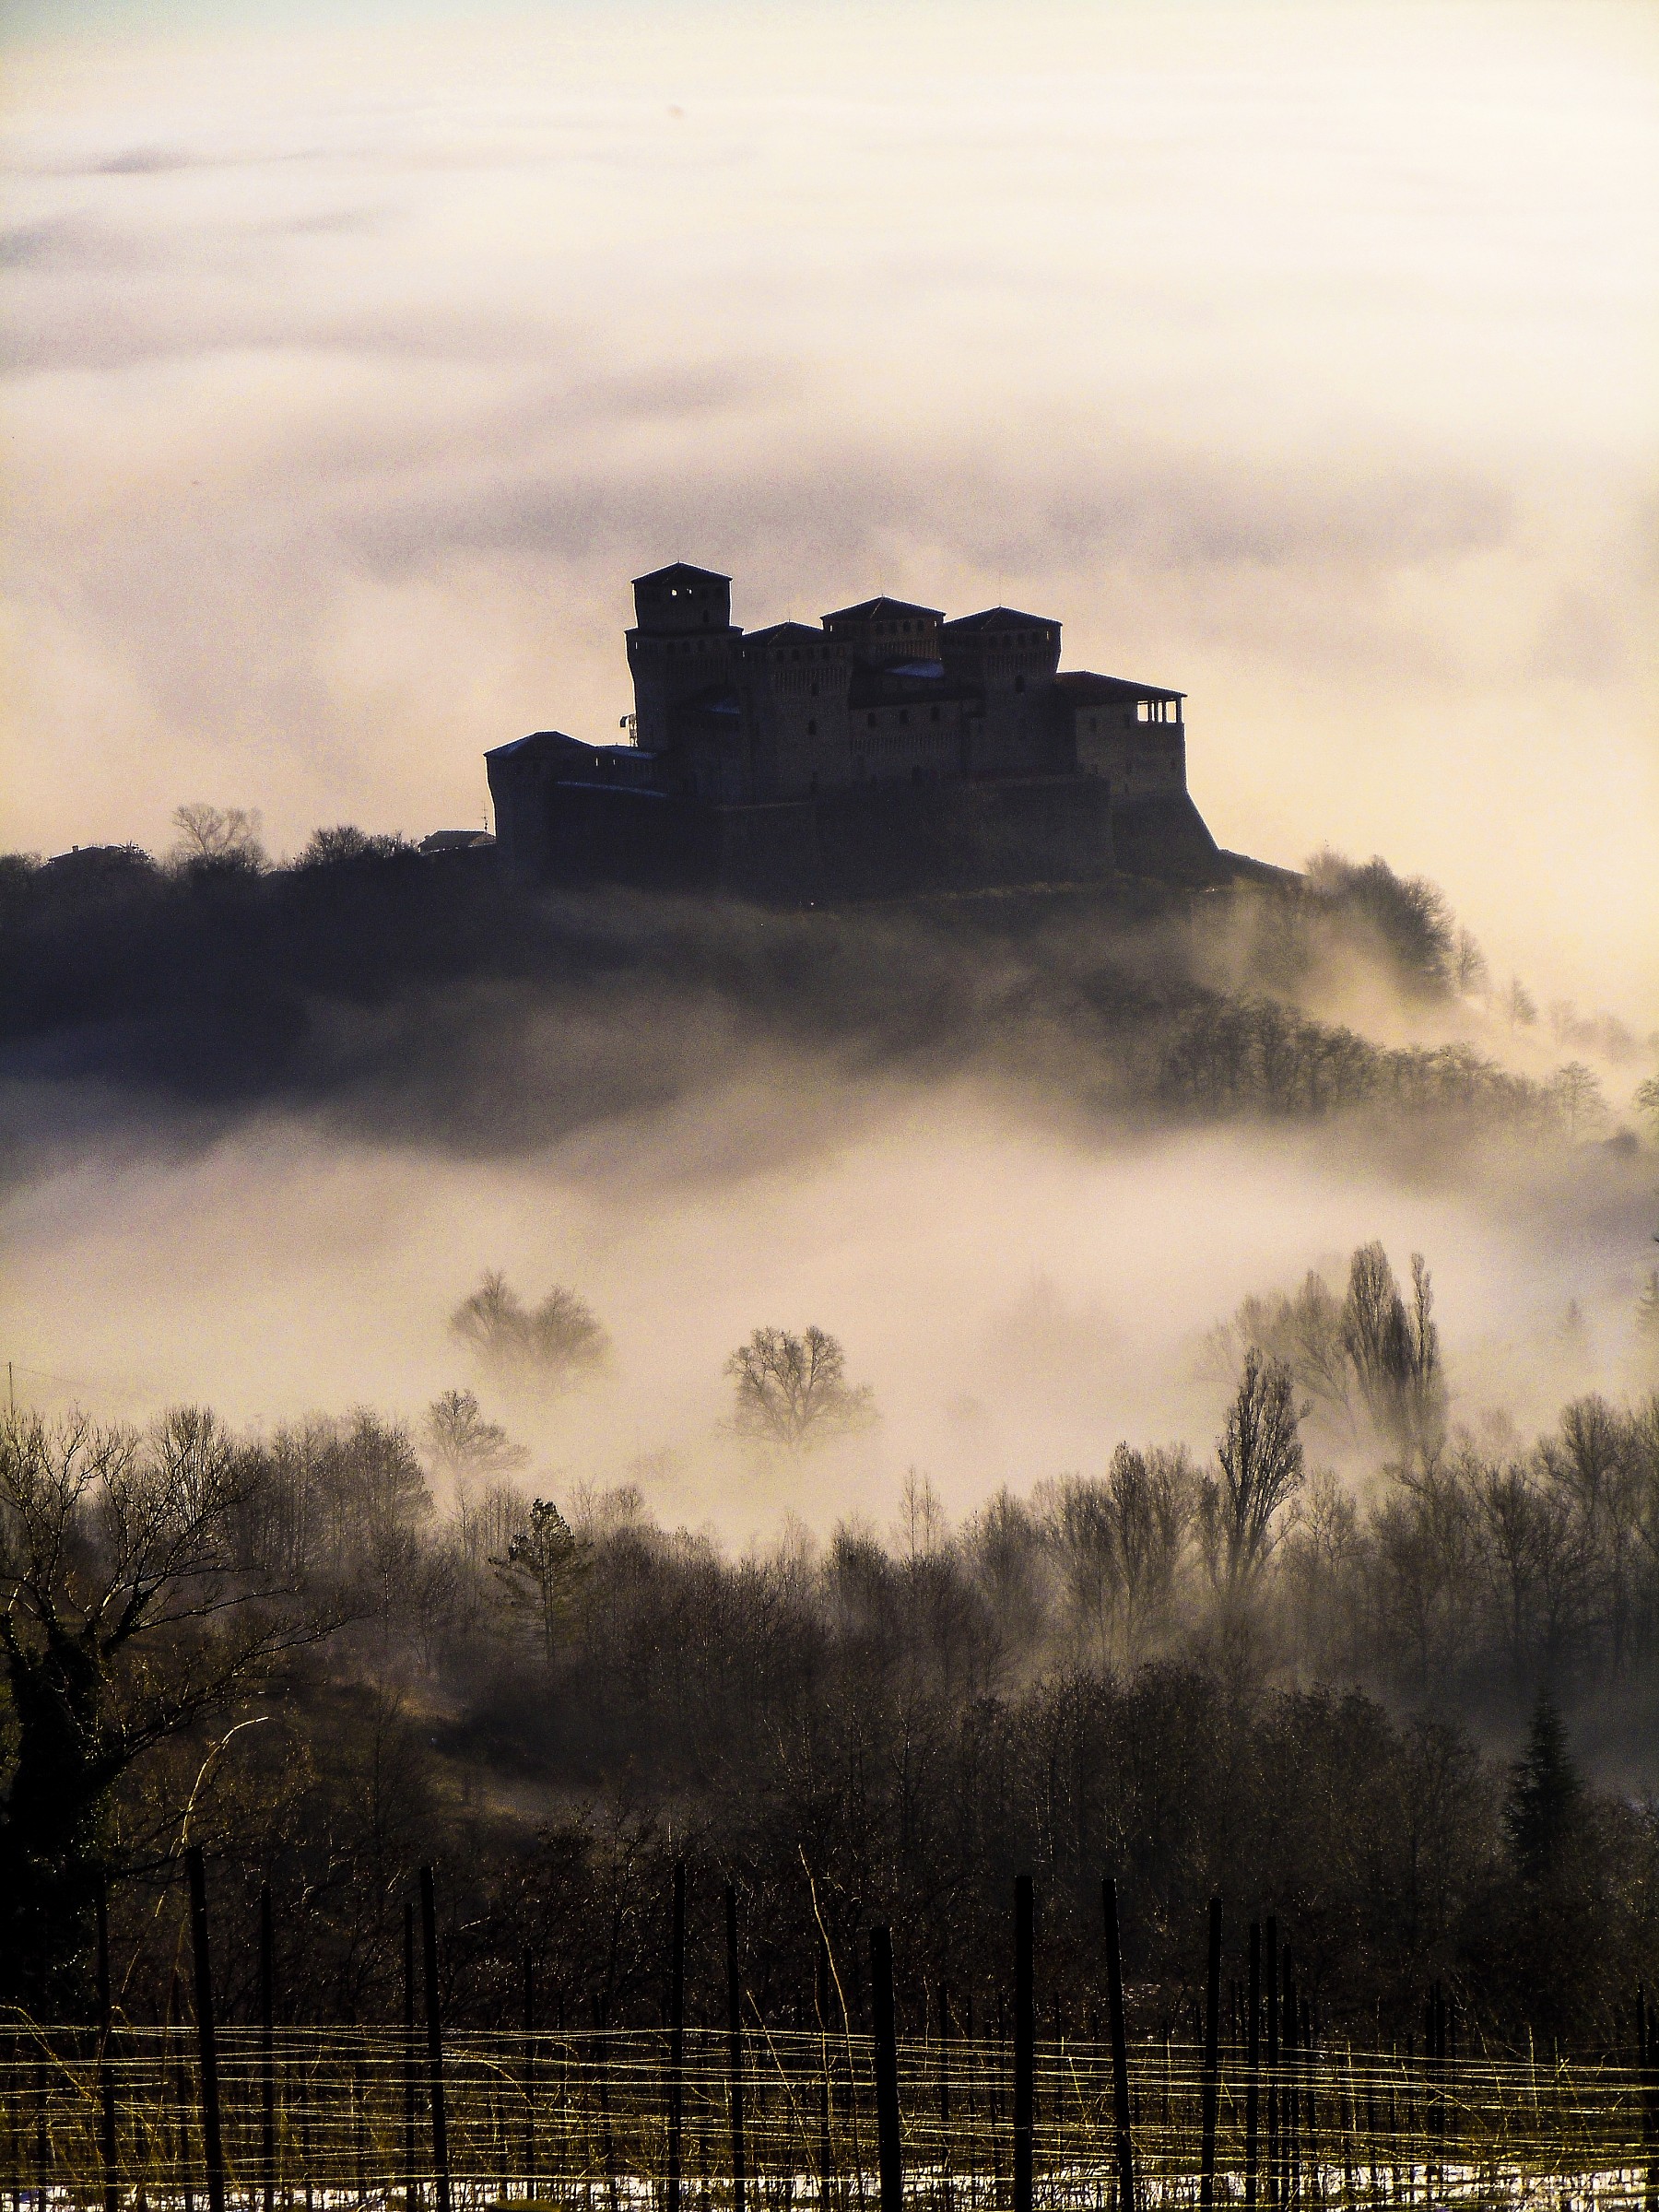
x: 1292, y: 1593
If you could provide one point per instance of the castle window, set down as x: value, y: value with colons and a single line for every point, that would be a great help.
x: 1020, y: 683
x: 933, y: 713
x: 872, y: 721
x: 904, y: 714
x: 812, y: 729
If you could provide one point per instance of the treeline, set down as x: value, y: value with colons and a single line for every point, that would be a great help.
x: 424, y: 993
x: 1198, y: 1675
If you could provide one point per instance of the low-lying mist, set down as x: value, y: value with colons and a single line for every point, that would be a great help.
x: 1021, y: 1156
x: 1019, y: 1293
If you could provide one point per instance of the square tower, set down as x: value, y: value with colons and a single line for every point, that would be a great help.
x: 680, y: 645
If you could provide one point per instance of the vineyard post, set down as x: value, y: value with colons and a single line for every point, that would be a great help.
x: 1252, y: 2059
x: 948, y: 2193
x: 434, y: 2028
x: 213, y: 2143
x: 889, y: 2152
x: 735, y: 2048
x: 821, y: 1991
x: 529, y: 2074
x: 1212, y: 2062
x: 1120, y: 2048
x: 42, y: 2134
x: 411, y: 2188
x: 1289, y: 2110
x: 676, y: 2033
x: 267, y: 2049
x: 1025, y: 2043
x: 1272, y: 2060
x: 106, y: 2031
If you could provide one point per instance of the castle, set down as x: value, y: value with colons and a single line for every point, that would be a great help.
x: 887, y: 750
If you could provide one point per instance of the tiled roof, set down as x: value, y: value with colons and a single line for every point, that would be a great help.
x: 1003, y: 617
x: 883, y: 609
x: 683, y: 571
x: 546, y: 739
x: 781, y: 633
x: 1083, y: 684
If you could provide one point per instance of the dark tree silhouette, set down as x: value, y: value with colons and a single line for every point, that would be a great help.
x: 128, y: 1617
x: 1545, y: 1798
x: 1261, y: 1459
x: 792, y: 1391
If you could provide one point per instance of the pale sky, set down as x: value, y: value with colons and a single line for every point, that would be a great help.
x: 1303, y: 356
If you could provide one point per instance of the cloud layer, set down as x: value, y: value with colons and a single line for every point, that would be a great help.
x: 1302, y: 358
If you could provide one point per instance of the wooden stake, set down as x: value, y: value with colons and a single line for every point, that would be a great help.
x: 676, y: 2034
x: 268, y: 2048
x: 1212, y: 2062
x: 889, y: 2144
x: 1252, y: 2059
x: 434, y: 2026
x: 1025, y: 2043
x: 1120, y: 2049
x: 106, y: 2031
x: 530, y: 2075
x: 411, y: 2188
x: 826, y: 2148
x: 735, y: 2048
x: 213, y: 2144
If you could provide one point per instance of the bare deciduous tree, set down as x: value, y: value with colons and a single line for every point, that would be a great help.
x: 464, y: 1444
x: 225, y: 837
x: 126, y: 1616
x: 1576, y: 1097
x: 1396, y: 1351
x: 1261, y: 1459
x: 792, y: 1391
x: 548, y: 1347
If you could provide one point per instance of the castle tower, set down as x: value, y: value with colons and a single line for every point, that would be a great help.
x: 1010, y: 659
x: 793, y: 684
x: 681, y: 645
x: 881, y: 633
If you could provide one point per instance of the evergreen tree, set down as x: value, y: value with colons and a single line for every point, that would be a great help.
x: 1546, y: 1794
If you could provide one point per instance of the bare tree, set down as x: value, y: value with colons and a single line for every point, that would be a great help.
x: 225, y: 837
x: 1577, y: 1097
x: 1304, y: 1331
x: 1396, y: 1351
x: 792, y: 1391
x: 1469, y: 969
x: 464, y: 1444
x: 126, y: 1616
x: 550, y: 1346
x: 1155, y: 1496
x: 1261, y: 1460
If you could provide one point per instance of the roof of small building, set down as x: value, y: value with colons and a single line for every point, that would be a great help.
x: 547, y: 740
x: 783, y: 633
x: 1003, y: 617
x: 683, y: 571
x: 1083, y: 684
x: 883, y: 609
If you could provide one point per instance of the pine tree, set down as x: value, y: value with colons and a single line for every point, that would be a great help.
x: 1545, y: 1793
